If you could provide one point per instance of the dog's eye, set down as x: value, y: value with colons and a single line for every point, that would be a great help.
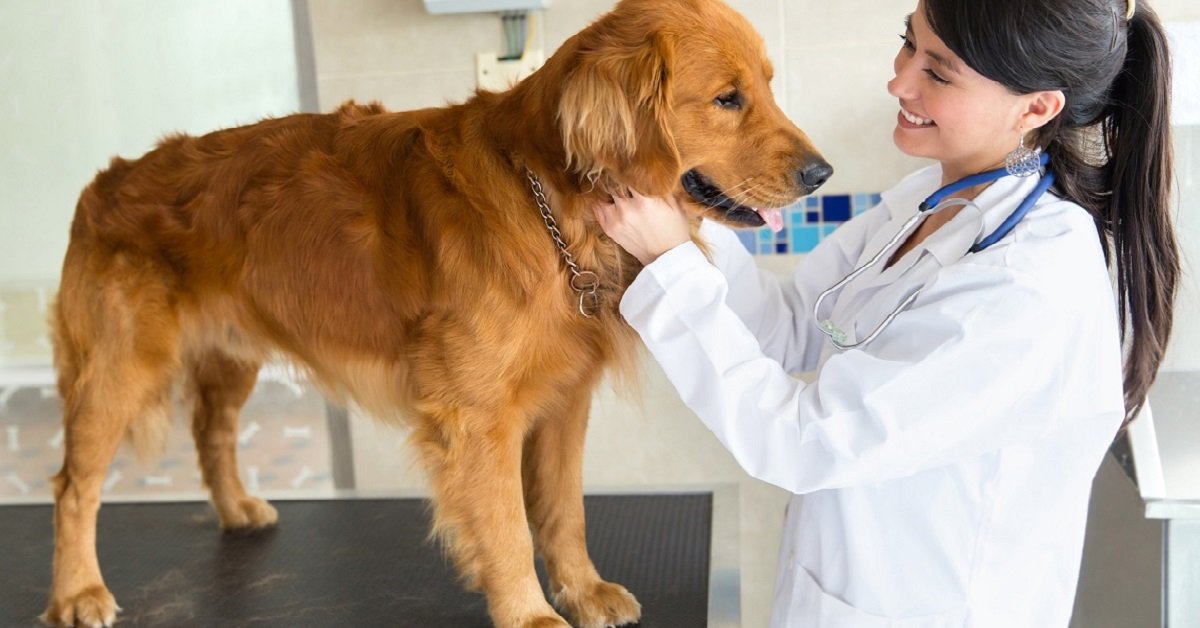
x: 729, y: 100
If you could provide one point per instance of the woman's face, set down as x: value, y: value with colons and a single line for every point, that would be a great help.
x: 949, y: 112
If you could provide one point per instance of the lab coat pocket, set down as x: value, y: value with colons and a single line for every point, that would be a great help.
x: 810, y: 606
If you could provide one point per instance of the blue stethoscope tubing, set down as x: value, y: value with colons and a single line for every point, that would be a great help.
x: 934, y: 203
x: 987, y: 177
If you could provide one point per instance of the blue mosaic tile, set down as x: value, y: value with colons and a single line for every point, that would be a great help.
x: 792, y: 232
x: 807, y: 222
x: 806, y: 239
x: 836, y: 208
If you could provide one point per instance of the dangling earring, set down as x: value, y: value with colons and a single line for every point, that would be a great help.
x: 1023, y: 162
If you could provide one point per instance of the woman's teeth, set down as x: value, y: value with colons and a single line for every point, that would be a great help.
x: 914, y: 119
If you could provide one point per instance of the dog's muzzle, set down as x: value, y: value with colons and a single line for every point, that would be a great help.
x: 705, y: 192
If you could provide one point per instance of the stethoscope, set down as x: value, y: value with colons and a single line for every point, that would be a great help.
x: 932, y: 205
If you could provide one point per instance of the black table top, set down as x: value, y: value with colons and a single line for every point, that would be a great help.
x: 346, y: 562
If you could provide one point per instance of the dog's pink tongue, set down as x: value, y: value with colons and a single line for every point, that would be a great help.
x: 774, y: 218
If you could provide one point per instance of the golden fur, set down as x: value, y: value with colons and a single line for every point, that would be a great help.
x: 400, y: 260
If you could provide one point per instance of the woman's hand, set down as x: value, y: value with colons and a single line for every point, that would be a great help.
x: 645, y: 227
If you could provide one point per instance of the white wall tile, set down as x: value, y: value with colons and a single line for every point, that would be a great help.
x: 399, y: 91
x: 832, y: 24
x: 1177, y: 9
x: 1183, y: 351
x: 767, y: 18
x: 383, y: 36
x: 567, y: 17
x: 841, y: 102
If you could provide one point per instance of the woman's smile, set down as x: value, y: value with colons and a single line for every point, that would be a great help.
x: 910, y: 120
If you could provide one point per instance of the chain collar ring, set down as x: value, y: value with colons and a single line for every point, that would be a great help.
x: 584, y: 282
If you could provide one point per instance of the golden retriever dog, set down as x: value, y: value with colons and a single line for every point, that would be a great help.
x: 402, y: 260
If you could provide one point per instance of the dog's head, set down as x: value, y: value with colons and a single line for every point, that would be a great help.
x: 672, y: 97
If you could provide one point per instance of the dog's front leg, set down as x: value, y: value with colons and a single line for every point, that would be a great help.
x: 474, y: 460
x: 553, y: 483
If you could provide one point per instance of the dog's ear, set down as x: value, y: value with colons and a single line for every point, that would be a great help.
x: 615, y: 111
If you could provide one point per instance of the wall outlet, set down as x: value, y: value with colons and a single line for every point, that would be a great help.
x: 495, y: 75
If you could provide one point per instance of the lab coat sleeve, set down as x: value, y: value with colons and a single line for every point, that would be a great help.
x: 972, y: 366
x: 778, y: 312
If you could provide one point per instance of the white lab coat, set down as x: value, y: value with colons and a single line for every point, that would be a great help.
x: 942, y: 472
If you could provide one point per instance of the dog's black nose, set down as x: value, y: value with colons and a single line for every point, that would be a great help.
x: 814, y: 174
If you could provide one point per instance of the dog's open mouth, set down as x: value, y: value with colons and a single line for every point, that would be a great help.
x: 707, y: 193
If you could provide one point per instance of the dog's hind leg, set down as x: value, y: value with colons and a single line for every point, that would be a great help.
x: 116, y: 351
x: 474, y: 462
x: 553, y: 472
x: 220, y: 386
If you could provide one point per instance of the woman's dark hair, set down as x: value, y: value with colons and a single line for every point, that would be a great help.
x: 1111, y: 145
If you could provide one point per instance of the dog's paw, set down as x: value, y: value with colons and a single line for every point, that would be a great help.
x: 599, y: 605
x: 546, y: 622
x: 94, y: 607
x: 247, y: 513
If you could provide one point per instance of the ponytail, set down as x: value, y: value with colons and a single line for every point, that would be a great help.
x: 1135, y: 221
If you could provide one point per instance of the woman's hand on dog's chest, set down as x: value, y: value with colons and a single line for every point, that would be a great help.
x: 645, y: 227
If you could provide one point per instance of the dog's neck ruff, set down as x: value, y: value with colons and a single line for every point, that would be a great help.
x: 584, y: 282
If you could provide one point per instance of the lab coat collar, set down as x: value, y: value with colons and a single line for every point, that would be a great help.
x: 901, y: 202
x: 952, y: 241
x: 904, y: 198
x: 998, y: 201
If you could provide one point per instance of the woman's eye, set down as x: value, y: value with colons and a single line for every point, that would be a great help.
x: 936, y: 79
x: 729, y: 100
x: 908, y: 45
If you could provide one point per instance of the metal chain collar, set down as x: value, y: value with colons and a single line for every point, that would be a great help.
x: 584, y: 282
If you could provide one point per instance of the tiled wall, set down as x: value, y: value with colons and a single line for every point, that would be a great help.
x: 806, y: 223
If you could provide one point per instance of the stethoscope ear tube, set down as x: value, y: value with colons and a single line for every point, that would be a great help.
x: 1016, y: 216
x: 971, y: 181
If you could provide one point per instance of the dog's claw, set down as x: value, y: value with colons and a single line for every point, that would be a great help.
x: 248, y: 513
x: 546, y: 622
x: 94, y: 607
x: 600, y: 605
